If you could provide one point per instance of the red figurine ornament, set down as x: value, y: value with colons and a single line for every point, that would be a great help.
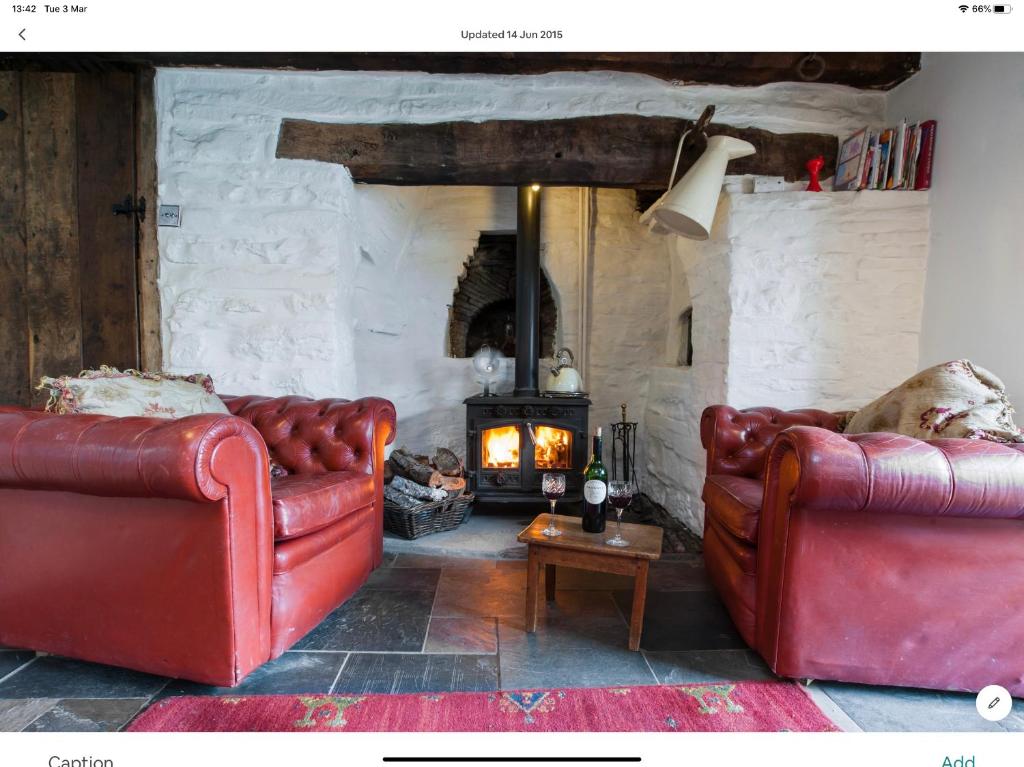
x: 814, y: 166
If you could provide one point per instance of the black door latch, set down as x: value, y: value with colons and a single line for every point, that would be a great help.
x: 126, y: 208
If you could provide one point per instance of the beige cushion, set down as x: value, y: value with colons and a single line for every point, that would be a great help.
x: 108, y: 391
x: 954, y: 399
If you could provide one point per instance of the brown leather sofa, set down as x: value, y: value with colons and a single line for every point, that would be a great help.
x: 164, y: 546
x: 872, y: 558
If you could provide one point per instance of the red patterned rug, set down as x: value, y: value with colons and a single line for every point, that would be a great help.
x: 715, y: 707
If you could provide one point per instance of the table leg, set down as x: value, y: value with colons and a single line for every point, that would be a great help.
x: 636, y: 621
x: 549, y: 582
x: 532, y: 577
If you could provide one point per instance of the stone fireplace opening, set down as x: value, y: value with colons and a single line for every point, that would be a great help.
x: 513, y: 438
x: 483, y: 308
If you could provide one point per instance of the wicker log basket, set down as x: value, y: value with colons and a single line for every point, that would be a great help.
x: 416, y: 477
x: 429, y: 517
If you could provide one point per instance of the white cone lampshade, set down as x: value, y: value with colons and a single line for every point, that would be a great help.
x: 689, y: 207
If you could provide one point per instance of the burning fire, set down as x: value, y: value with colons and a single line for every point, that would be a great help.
x: 501, y: 448
x: 552, y: 451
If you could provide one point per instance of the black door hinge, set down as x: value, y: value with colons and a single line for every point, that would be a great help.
x: 126, y: 208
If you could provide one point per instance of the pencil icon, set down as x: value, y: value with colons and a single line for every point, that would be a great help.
x: 994, y: 703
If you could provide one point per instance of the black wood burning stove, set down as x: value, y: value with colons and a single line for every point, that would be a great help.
x: 513, y: 439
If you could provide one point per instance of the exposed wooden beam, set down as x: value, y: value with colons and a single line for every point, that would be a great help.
x: 608, y: 151
x: 859, y: 70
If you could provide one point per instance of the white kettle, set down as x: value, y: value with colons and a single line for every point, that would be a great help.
x: 563, y: 378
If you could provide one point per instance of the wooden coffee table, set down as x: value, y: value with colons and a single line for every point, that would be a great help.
x: 588, y: 551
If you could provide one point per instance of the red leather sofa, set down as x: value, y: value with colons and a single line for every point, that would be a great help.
x: 872, y: 558
x: 164, y: 546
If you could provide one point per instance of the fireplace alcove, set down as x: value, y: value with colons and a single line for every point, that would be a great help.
x: 483, y: 308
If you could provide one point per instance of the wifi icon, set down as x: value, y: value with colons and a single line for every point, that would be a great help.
x: 964, y: 8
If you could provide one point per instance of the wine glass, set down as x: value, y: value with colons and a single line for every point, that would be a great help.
x: 553, y: 486
x: 620, y: 495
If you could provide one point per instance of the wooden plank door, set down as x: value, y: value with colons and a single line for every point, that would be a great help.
x: 105, y: 106
x: 70, y: 146
x: 51, y: 224
x: 14, y: 379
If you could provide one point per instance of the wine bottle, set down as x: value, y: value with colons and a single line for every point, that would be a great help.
x: 595, y: 490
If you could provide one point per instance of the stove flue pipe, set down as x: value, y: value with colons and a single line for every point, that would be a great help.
x: 527, y: 290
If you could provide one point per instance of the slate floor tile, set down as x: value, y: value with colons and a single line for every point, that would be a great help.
x: 411, y: 578
x: 569, y: 651
x: 588, y: 604
x: 96, y: 715
x: 291, y: 674
x: 374, y: 621
x: 511, y: 564
x: 513, y: 553
x: 484, y: 593
x: 401, y: 673
x: 15, y: 715
x: 12, y: 660
x: 451, y: 563
x: 697, y: 666
x: 462, y: 635
x: 56, y: 677
x: 684, y: 620
x: 899, y: 709
x: 502, y: 594
x: 686, y: 573
x: 572, y: 579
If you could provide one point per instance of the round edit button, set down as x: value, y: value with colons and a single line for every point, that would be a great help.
x: 994, y: 703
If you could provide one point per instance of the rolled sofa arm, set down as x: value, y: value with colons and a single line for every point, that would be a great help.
x: 737, y: 441
x: 309, y: 436
x: 126, y: 457
x: 812, y: 469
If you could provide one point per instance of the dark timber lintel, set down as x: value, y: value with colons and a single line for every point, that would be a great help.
x: 626, y: 151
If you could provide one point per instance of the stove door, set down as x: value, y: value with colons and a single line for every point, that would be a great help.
x: 552, y: 448
x: 501, y: 455
x: 500, y: 447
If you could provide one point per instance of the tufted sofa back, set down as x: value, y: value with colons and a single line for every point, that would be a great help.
x: 737, y: 441
x: 309, y: 436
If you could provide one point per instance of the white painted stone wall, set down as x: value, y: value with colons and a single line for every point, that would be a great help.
x: 675, y: 459
x: 800, y: 300
x: 976, y: 265
x: 285, y: 277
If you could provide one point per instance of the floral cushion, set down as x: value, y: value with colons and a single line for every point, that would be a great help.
x: 109, y: 391
x: 954, y: 399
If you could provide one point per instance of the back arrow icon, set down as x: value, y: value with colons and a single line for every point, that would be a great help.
x: 21, y: 34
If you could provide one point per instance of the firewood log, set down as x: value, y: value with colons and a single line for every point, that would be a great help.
x: 406, y: 465
x: 389, y: 473
x: 453, y: 484
x: 414, y: 490
x: 401, y: 500
x: 447, y: 462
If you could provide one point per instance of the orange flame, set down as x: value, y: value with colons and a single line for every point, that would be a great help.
x: 501, y: 448
x: 553, y: 448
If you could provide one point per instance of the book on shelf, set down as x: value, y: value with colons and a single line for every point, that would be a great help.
x: 892, y: 158
x: 923, y: 174
x: 849, y: 161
